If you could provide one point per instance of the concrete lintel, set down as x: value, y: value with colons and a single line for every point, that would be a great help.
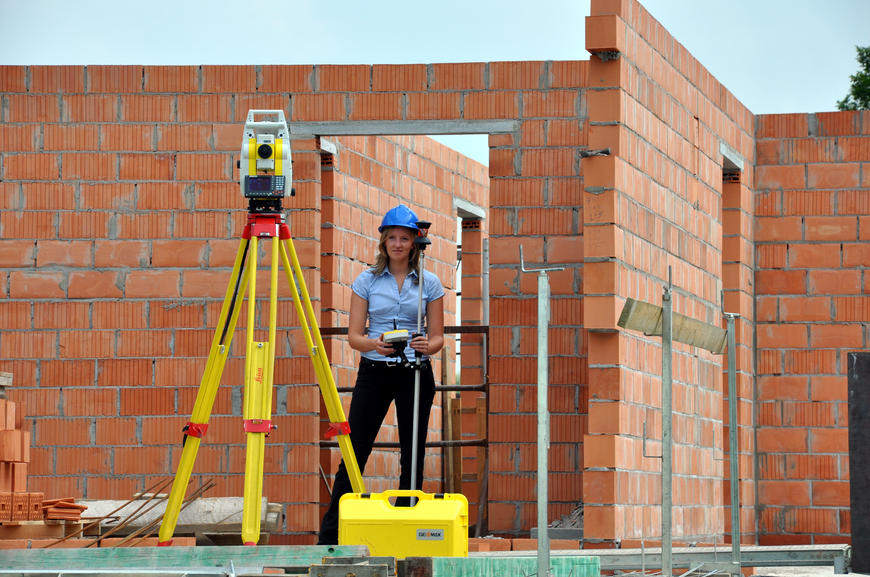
x: 328, y: 147
x: 403, y: 127
x: 469, y: 210
x: 731, y: 159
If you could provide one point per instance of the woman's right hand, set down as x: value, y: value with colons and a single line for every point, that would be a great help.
x: 381, y: 347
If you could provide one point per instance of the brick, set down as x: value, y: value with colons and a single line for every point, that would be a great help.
x: 102, y: 196
x: 36, y: 285
x: 75, y: 253
x: 781, y: 282
x: 31, y: 167
x: 811, y: 255
x: 86, y: 344
x: 124, y: 372
x: 834, y: 175
x: 834, y: 282
x: 778, y: 229
x: 16, y: 315
x: 783, y: 388
x: 782, y: 126
x: 830, y: 441
x: 145, y: 284
x: 185, y: 138
x: 143, y: 225
x: 343, y: 78
x: 17, y: 253
x: 27, y: 108
x: 120, y: 315
x: 375, y: 107
x: 57, y: 79
x: 147, y: 167
x: 13, y: 79
x: 549, y: 162
x: 48, y: 196
x: 19, y: 138
x: 89, y: 108
x: 77, y: 137
x: 178, y: 253
x: 205, y: 167
x: 312, y: 107
x: 516, y: 75
x: 491, y: 105
x: 550, y: 104
x: 201, y: 225
x: 210, y: 284
x: 171, y: 79
x: 779, y: 440
x: 147, y: 401
x: 565, y: 133
x: 115, y: 78
x: 787, y: 493
x: 569, y: 74
x: 177, y: 314
x: 782, y: 336
x: 204, y: 108
x: 94, y: 284
x: 88, y: 166
x: 142, y: 343
x: 229, y: 79
x: 836, y: 336
x: 458, y: 76
x: 807, y: 309
x: 831, y: 228
x: 83, y: 225
x: 286, y: 78
x: 147, y: 108
x: 780, y: 177
x: 398, y: 77
x: 25, y: 345
x: 830, y: 494
x: 121, y: 253
x: 433, y: 106
x: 66, y: 373
x: 828, y: 388
x: 126, y: 138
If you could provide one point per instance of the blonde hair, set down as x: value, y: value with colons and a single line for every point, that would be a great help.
x: 383, y: 259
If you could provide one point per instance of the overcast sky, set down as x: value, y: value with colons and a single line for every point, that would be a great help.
x: 776, y: 56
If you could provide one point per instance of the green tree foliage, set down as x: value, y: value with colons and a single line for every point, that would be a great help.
x: 859, y: 95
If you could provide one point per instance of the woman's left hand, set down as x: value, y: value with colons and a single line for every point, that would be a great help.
x: 420, y: 344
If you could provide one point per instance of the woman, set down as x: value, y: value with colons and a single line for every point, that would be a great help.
x: 387, y: 294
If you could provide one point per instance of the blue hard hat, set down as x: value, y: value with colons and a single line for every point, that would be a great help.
x: 399, y: 216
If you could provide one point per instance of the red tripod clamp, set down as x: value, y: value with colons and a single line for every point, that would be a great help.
x: 258, y: 426
x: 197, y: 430
x: 266, y: 225
x: 337, y: 429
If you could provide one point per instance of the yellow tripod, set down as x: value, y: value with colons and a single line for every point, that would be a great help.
x: 259, y: 368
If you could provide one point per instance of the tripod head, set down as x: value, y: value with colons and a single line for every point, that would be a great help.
x: 265, y: 166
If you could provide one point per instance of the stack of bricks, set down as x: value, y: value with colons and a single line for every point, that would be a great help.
x: 20, y: 507
x: 14, y: 447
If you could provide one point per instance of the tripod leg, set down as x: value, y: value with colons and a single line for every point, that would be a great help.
x: 258, y: 404
x: 217, y: 358
x: 321, y: 365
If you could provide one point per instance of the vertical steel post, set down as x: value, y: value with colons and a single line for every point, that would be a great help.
x: 667, y: 430
x: 543, y: 422
x: 732, y: 433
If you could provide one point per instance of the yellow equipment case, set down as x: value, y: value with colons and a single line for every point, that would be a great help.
x: 437, y: 526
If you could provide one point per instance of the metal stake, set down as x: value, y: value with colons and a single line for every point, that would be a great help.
x: 732, y: 433
x: 422, y: 241
x: 543, y: 412
x: 667, y: 426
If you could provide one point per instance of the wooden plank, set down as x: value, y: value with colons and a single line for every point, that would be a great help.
x: 32, y: 530
x: 127, y: 558
x: 647, y: 318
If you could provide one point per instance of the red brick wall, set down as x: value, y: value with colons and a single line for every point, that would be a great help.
x: 655, y: 203
x: 811, y: 232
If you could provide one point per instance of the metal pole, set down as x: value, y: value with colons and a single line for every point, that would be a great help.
x: 667, y: 426
x: 414, y: 435
x: 543, y: 423
x: 732, y: 433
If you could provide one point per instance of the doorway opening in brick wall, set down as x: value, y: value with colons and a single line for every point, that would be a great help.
x: 364, y: 173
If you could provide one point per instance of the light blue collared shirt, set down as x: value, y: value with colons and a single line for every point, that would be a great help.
x: 386, y: 303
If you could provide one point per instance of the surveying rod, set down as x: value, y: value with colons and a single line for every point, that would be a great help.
x: 422, y: 241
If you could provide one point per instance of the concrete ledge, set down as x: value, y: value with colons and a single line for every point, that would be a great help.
x: 403, y: 127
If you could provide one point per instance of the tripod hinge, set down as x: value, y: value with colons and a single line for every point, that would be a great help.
x: 258, y: 426
x: 337, y: 429
x: 195, y: 429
